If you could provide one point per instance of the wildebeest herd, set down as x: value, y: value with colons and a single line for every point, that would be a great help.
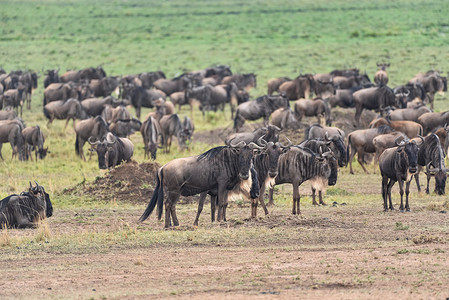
x: 406, y: 137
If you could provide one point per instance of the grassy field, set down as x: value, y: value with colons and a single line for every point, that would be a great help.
x: 258, y: 257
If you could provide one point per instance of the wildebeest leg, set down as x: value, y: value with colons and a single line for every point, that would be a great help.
x: 1, y: 156
x: 171, y: 198
x: 351, y: 158
x: 296, y: 198
x: 320, y: 195
x: 221, y: 201
x: 270, y: 196
x: 360, y: 160
x: 389, y: 187
x: 213, y: 206
x: 407, y: 192
x: 314, y: 196
x: 67, y: 123
x: 173, y: 215
x: 417, y: 181
x: 358, y: 113
x: 254, y: 208
x: 428, y: 182
x: 385, y: 191
x: 200, y: 207
x: 401, y: 192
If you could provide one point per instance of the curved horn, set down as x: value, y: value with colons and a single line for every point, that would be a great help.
x: 93, y: 143
x: 253, y: 145
x: 422, y: 140
x: 238, y: 145
x: 288, y: 145
x: 402, y: 143
x: 111, y: 139
x: 261, y: 141
x: 326, y: 135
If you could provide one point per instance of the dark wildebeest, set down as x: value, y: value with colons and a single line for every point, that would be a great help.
x: 112, y: 150
x: 243, y: 81
x: 51, y: 76
x: 275, y: 83
x: 320, y: 183
x: 148, y: 78
x: 140, y: 97
x: 385, y: 141
x: 375, y: 98
x: 105, y: 86
x: 84, y: 74
x: 345, y: 72
x: 61, y: 91
x: 27, y: 209
x: 334, y: 135
x: 361, y: 142
x: 68, y: 109
x: 398, y: 164
x: 11, y: 132
x: 411, y: 91
x: 408, y: 114
x: 432, y: 82
x: 150, y: 131
x: 269, y: 133
x: 309, y: 108
x: 297, y: 166
x: 125, y: 127
x: 298, y: 88
x: 343, y: 82
x: 381, y: 76
x: 430, y: 156
x: 344, y: 97
x: 262, y: 107
x: 433, y: 120
x: 324, y: 88
x: 170, y: 86
x: 97, y: 128
x: 95, y: 106
x: 409, y: 128
x: 284, y: 118
x: 14, y: 99
x: 28, y: 80
x: 34, y: 140
x: 220, y: 168
x: 172, y: 125
x: 442, y: 134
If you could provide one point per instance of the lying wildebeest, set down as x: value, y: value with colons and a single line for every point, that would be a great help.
x: 11, y: 132
x: 275, y: 83
x: 172, y: 125
x: 61, y: 91
x: 376, y: 98
x: 84, y: 74
x: 68, y: 109
x: 385, y: 141
x: 243, y: 81
x: 150, y: 131
x: 433, y: 120
x: 298, y: 165
x: 94, y: 106
x: 177, y: 84
x: 442, y: 134
x: 13, y: 99
x: 125, y: 127
x: 51, y: 76
x: 334, y: 136
x: 112, y: 150
x: 34, y: 140
x: 432, y: 82
x: 95, y: 128
x: 381, y: 76
x: 105, y: 86
x: 430, y: 156
x: 262, y: 107
x: 284, y: 118
x: 361, y: 142
x: 310, y: 108
x: 219, y: 168
x: 347, y: 82
x: 407, y: 114
x: 148, y: 78
x: 269, y: 133
x: 398, y: 164
x: 27, y: 209
x: 140, y: 97
x: 409, y: 128
x: 300, y: 87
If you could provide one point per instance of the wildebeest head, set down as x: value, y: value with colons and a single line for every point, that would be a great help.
x: 38, y: 191
x: 245, y: 153
x: 43, y: 152
x: 273, y: 151
x: 410, y: 150
x: 338, y: 147
x: 328, y: 166
x: 104, y: 151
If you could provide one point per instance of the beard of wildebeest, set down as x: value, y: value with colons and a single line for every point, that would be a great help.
x: 440, y: 182
x: 332, y: 180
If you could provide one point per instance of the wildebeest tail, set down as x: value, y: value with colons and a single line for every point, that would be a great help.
x: 77, y: 146
x: 158, y: 193
x: 348, y: 148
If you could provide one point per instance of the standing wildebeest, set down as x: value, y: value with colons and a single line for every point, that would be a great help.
x: 262, y: 107
x: 219, y: 168
x: 112, y: 150
x: 172, y: 125
x: 84, y: 74
x: 275, y: 83
x: 243, y: 81
x: 381, y: 76
x: 97, y: 128
x: 149, y: 78
x: 34, y: 140
x: 361, y: 142
x: 11, y: 132
x: 300, y: 87
x: 51, y: 76
x: 409, y: 128
x: 442, y: 134
x: 125, y: 127
x: 95, y: 106
x: 324, y: 88
x: 344, y: 97
x: 13, y: 99
x: 105, y: 86
x: 310, y: 108
x: 432, y: 82
x: 61, y: 91
x: 408, y: 114
x: 431, y: 156
x: 433, y: 120
x: 68, y: 109
x: 375, y: 98
x: 170, y: 86
x: 28, y: 80
x: 284, y: 118
x: 269, y: 134
x: 347, y: 82
x: 27, y: 209
x: 140, y: 97
x: 150, y: 130
x: 112, y: 114
x: 298, y: 165
x: 385, y: 141
x: 334, y: 135
x: 398, y: 164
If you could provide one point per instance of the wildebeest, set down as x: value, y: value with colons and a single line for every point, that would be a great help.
x: 411, y: 91
x: 68, y: 109
x: 344, y: 97
x: 172, y: 125
x: 179, y: 98
x: 11, y: 132
x: 381, y: 76
x: 140, y: 97
x: 14, y: 99
x: 243, y: 81
x: 432, y: 82
x: 300, y: 87
x: 324, y: 88
x: 105, y: 86
x: 27, y: 209
x: 298, y: 165
x: 61, y: 91
x: 97, y: 128
x: 51, y: 76
x: 334, y: 136
x: 150, y: 130
x: 148, y: 78
x: 347, y: 82
x: 262, y: 107
x: 309, y: 108
x: 398, y: 164
x: 361, y: 142
x: 177, y: 84
x: 409, y: 128
x: 275, y: 83
x: 34, y: 140
x: 112, y: 114
x: 125, y: 127
x: 408, y: 114
x: 219, y: 168
x: 376, y: 98
x: 269, y: 133
x: 385, y: 141
x: 94, y: 106
x: 112, y: 150
x: 430, y: 156
x: 7, y: 115
x: 28, y: 80
x: 164, y: 107
x: 85, y: 74
x: 442, y: 134
x: 433, y: 120
x: 284, y: 118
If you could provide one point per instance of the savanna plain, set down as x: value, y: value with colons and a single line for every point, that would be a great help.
x: 93, y: 248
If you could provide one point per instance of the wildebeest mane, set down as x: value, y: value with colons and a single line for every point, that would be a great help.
x: 210, y: 154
